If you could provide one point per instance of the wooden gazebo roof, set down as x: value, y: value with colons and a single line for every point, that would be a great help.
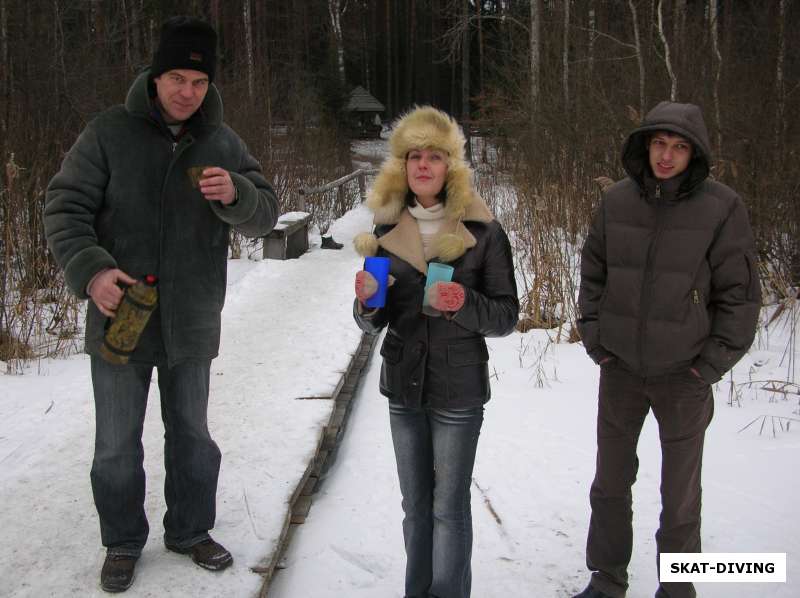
x: 363, y: 101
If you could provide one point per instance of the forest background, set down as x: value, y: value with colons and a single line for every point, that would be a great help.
x: 549, y: 90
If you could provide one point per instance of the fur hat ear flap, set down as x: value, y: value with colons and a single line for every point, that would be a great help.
x: 450, y: 247
x: 366, y: 244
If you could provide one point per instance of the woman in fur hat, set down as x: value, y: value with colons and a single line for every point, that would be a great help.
x: 435, y: 369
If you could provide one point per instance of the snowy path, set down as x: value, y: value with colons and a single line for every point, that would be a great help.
x: 287, y: 333
x: 535, y: 463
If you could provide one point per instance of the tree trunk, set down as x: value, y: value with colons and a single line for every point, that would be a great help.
x: 335, y: 12
x: 465, y: 67
x: 639, y: 58
x: 780, y: 106
x: 5, y: 79
x: 410, y: 54
x: 479, y: 18
x: 592, y: 36
x: 366, y: 49
x: 248, y: 43
x: 673, y: 93
x: 716, y: 57
x: 465, y: 79
x: 389, y: 103
x: 565, y: 58
x: 535, y: 60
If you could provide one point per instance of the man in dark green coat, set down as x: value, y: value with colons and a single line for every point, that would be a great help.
x: 669, y: 301
x: 124, y: 206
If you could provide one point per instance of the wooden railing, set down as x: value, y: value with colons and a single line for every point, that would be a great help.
x: 361, y: 174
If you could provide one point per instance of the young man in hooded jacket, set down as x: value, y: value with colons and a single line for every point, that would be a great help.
x: 123, y: 206
x: 669, y: 301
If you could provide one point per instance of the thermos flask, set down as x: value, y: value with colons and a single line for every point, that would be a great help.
x: 134, y: 311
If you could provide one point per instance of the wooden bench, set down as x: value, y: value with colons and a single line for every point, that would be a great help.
x: 289, y: 238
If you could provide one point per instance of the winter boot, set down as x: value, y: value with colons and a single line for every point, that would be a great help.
x: 117, y: 572
x: 207, y: 554
x: 329, y: 243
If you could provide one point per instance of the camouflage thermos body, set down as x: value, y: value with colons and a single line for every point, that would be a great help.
x: 133, y: 313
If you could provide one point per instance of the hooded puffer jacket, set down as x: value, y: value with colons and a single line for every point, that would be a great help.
x: 437, y: 361
x: 123, y: 199
x: 668, y: 273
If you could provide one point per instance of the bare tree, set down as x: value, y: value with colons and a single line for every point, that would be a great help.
x: 565, y: 56
x: 478, y: 17
x: 673, y: 93
x: 639, y: 57
x: 248, y: 42
x: 535, y: 59
x: 713, y: 15
x: 592, y: 35
x: 336, y: 10
x: 780, y: 105
x: 389, y: 103
x: 465, y: 112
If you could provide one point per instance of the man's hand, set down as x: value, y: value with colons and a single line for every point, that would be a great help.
x: 366, y: 285
x: 446, y: 296
x: 105, y: 291
x: 216, y: 185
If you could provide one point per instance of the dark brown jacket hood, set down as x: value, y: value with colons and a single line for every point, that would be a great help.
x: 685, y: 120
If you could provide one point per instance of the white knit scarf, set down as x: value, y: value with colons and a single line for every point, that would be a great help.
x: 429, y: 220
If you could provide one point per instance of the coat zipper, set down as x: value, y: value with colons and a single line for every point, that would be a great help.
x: 177, y: 147
x: 646, y: 288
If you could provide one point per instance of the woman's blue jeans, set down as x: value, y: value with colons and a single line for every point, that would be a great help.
x: 191, y: 458
x: 435, y: 452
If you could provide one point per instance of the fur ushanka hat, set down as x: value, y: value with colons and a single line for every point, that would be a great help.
x: 423, y: 128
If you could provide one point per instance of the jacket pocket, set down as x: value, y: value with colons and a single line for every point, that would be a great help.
x: 392, y: 349
x: 469, y: 353
x: 700, y: 311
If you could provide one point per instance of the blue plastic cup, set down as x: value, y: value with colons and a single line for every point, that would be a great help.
x: 436, y: 273
x: 379, y: 268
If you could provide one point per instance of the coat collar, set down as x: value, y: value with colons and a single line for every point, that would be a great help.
x: 404, y: 239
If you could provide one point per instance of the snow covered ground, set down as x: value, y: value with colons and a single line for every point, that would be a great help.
x: 287, y: 333
x: 531, y: 483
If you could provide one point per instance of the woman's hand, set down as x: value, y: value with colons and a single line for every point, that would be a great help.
x: 446, y: 296
x: 366, y: 285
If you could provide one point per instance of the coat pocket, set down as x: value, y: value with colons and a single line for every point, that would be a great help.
x: 392, y: 349
x: 469, y: 353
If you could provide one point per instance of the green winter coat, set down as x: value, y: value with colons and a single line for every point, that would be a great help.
x: 122, y: 199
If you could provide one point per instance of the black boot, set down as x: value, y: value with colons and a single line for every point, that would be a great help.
x: 117, y: 572
x: 591, y: 592
x: 329, y: 243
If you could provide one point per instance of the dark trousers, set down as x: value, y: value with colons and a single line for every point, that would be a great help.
x: 683, y: 407
x: 435, y: 453
x: 191, y: 458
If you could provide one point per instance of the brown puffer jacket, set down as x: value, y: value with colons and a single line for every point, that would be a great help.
x: 668, y: 271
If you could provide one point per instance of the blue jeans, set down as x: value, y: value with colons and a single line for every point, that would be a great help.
x: 191, y: 458
x: 435, y: 452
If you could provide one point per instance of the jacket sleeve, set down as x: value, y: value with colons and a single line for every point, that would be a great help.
x: 256, y: 211
x: 494, y: 310
x: 735, y: 297
x: 370, y: 321
x: 72, y: 201
x: 592, y: 286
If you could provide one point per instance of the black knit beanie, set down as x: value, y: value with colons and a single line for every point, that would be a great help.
x: 186, y: 43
